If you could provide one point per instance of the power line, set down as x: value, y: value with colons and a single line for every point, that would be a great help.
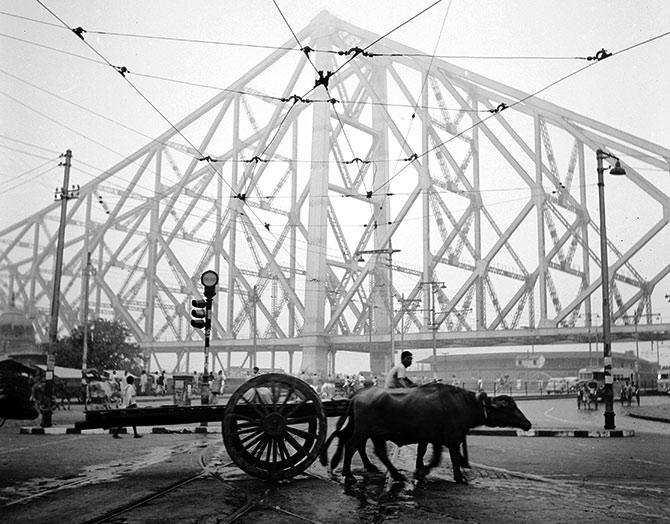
x: 29, y: 144
x: 601, y: 55
x: 301, y: 50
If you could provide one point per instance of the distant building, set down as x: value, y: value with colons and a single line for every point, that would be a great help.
x: 17, y: 337
x: 526, y: 367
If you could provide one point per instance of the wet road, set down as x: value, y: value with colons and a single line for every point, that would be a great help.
x: 189, y: 478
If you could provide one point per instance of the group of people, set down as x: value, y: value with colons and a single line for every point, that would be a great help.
x: 630, y: 391
x: 155, y: 384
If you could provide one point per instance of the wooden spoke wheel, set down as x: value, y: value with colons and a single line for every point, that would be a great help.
x: 274, y: 426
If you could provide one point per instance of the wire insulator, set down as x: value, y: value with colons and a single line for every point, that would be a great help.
x: 501, y: 107
x: 323, y: 79
x: 600, y: 55
x: 122, y: 70
x: 79, y: 31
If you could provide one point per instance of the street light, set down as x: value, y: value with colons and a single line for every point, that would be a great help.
x: 433, y: 326
x: 607, y: 337
x: 388, y: 251
x: 404, y: 303
x: 636, y: 320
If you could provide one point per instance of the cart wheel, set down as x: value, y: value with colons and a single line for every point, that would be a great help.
x: 274, y: 426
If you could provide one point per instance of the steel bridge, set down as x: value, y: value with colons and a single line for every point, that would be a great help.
x: 351, y: 196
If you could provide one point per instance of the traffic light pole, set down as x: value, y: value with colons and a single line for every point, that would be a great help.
x: 202, y: 319
x: 204, y: 396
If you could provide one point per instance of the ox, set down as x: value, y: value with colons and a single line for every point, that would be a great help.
x: 434, y: 413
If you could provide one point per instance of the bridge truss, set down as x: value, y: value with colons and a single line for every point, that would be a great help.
x: 280, y: 182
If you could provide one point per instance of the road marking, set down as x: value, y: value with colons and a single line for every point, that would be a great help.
x: 546, y: 414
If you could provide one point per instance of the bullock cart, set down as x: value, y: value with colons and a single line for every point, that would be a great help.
x: 273, y: 425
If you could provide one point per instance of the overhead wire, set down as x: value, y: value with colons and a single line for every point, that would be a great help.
x: 601, y: 55
x: 293, y: 49
x: 123, y: 70
x: 252, y: 93
x: 28, y: 153
x: 325, y: 85
x: 423, y: 83
x: 20, y: 183
x: 555, y: 82
x: 46, y: 149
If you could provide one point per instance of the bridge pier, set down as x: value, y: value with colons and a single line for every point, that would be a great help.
x: 314, y: 355
x: 380, y: 363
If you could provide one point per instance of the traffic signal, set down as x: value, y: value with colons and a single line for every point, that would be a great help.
x: 199, y: 314
x: 209, y: 280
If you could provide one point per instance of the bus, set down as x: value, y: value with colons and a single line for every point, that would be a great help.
x: 664, y: 380
x: 598, y: 375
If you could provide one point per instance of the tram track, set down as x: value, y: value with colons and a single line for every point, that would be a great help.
x: 208, y: 468
x: 143, y: 501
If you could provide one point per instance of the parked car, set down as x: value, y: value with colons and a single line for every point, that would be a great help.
x: 556, y: 385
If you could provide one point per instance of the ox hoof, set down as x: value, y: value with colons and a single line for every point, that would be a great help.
x: 398, y: 477
x: 349, y: 480
x: 421, y: 473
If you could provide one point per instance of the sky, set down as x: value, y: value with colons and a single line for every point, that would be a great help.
x: 55, y: 95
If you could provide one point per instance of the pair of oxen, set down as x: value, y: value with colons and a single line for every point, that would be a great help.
x: 435, y: 413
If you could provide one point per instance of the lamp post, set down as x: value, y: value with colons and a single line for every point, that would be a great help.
x: 589, y: 321
x: 636, y: 319
x: 404, y: 303
x: 607, y: 336
x: 433, y: 326
x: 89, y: 271
x: 387, y: 251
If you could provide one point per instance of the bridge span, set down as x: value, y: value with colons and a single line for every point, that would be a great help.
x: 381, y: 343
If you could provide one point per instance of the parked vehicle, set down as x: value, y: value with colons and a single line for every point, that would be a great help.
x: 664, y: 380
x: 556, y: 385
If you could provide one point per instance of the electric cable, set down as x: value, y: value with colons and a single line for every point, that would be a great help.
x: 601, y: 55
x: 123, y: 70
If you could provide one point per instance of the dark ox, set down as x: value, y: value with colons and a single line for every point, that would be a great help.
x: 436, y: 414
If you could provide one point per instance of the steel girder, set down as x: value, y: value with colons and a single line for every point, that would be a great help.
x: 279, y: 192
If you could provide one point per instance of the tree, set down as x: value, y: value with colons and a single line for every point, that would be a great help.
x: 109, y: 347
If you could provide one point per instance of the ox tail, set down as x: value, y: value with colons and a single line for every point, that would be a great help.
x: 343, y: 435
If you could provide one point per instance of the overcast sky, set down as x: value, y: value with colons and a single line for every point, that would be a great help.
x: 628, y: 91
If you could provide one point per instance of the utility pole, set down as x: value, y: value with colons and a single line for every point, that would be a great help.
x: 387, y: 251
x: 433, y: 325
x: 403, y: 309
x: 88, y: 271
x: 63, y: 194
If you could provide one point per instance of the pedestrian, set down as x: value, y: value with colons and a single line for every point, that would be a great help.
x: 480, y: 384
x: 214, y: 388
x: 397, y: 377
x: 636, y: 392
x: 144, y: 382
x: 160, y: 384
x: 128, y: 401
x: 196, y: 383
x: 223, y: 381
